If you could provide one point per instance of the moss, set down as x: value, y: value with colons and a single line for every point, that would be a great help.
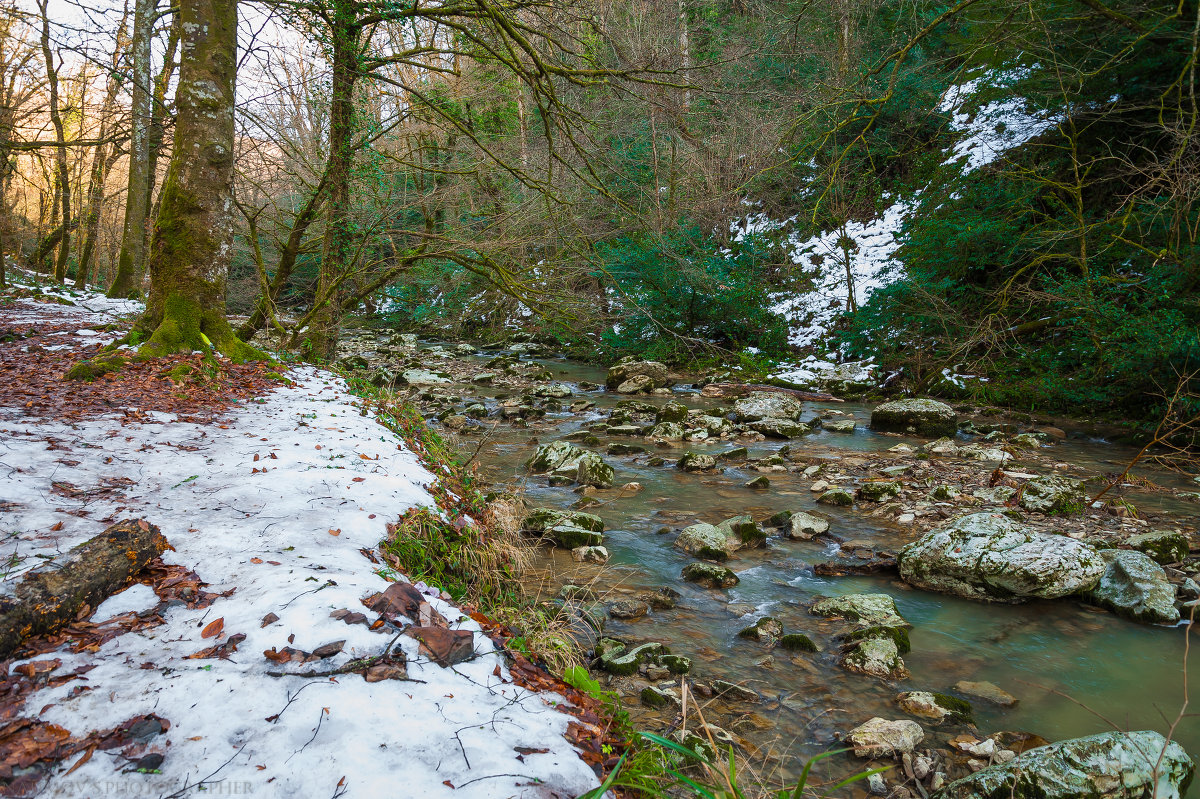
x: 89, y: 370
x: 898, y: 634
x: 797, y: 642
x: 187, y: 326
x: 959, y: 709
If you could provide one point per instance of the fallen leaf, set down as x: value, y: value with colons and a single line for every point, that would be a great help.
x: 359, y: 479
x: 256, y: 560
x: 335, y: 531
x: 213, y: 629
x: 57, y: 526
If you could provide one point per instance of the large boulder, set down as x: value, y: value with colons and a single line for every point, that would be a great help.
x: 767, y: 405
x: 989, y: 556
x: 568, y: 463
x: 1136, y: 587
x: 918, y: 417
x: 1111, y: 764
x: 655, y: 375
x: 779, y: 428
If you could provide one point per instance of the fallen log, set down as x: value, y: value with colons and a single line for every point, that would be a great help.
x: 47, y: 600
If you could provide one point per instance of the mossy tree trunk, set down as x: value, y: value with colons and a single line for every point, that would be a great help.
x: 338, y: 245
x: 193, y: 237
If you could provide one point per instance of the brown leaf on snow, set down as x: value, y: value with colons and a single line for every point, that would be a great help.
x: 221, y: 650
x: 213, y: 629
x: 35, y: 668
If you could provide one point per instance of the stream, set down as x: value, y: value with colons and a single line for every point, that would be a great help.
x: 1077, y: 670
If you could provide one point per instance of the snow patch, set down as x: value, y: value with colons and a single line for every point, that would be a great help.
x: 274, y: 505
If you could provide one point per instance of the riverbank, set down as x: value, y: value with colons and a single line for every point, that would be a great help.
x: 271, y: 650
x: 780, y: 706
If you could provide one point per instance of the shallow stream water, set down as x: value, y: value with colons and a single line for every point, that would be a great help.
x: 1076, y: 670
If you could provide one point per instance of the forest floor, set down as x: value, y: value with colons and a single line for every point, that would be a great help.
x: 255, y: 657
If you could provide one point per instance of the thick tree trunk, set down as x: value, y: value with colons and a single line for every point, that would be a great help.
x: 60, y: 153
x: 132, y: 258
x: 193, y: 236
x: 324, y: 327
x: 48, y: 600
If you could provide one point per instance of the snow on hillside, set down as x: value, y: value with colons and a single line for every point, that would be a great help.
x: 984, y: 132
x: 280, y: 505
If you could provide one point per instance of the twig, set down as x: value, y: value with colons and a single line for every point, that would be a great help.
x: 187, y: 788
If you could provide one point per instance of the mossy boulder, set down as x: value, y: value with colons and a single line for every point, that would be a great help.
x: 568, y: 463
x: 676, y: 664
x: 89, y: 370
x: 877, y: 656
x: 797, y: 642
x: 868, y: 610
x: 673, y: 411
x: 1056, y: 496
x: 744, y: 530
x: 623, y: 662
x: 918, y: 417
x: 879, y: 490
x: 1163, y: 546
x: 568, y: 536
x: 703, y: 541
x: 538, y: 519
x: 1111, y: 765
x: 709, y: 575
x: 696, y: 462
x: 991, y: 557
x: 667, y: 431
x: 837, y: 497
x: 765, y: 630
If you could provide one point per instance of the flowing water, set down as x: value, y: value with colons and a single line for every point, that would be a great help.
x: 1076, y: 670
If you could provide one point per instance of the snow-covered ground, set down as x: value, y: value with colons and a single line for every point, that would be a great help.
x: 983, y: 131
x: 274, y: 505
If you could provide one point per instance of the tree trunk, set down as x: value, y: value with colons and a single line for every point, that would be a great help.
x: 101, y: 163
x: 287, y: 263
x: 132, y: 259
x: 685, y: 53
x: 48, y: 600
x: 336, y: 249
x: 60, y: 152
x: 193, y: 237
x: 158, y: 113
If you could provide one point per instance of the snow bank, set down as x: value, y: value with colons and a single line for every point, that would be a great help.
x: 274, y: 505
x: 983, y: 131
